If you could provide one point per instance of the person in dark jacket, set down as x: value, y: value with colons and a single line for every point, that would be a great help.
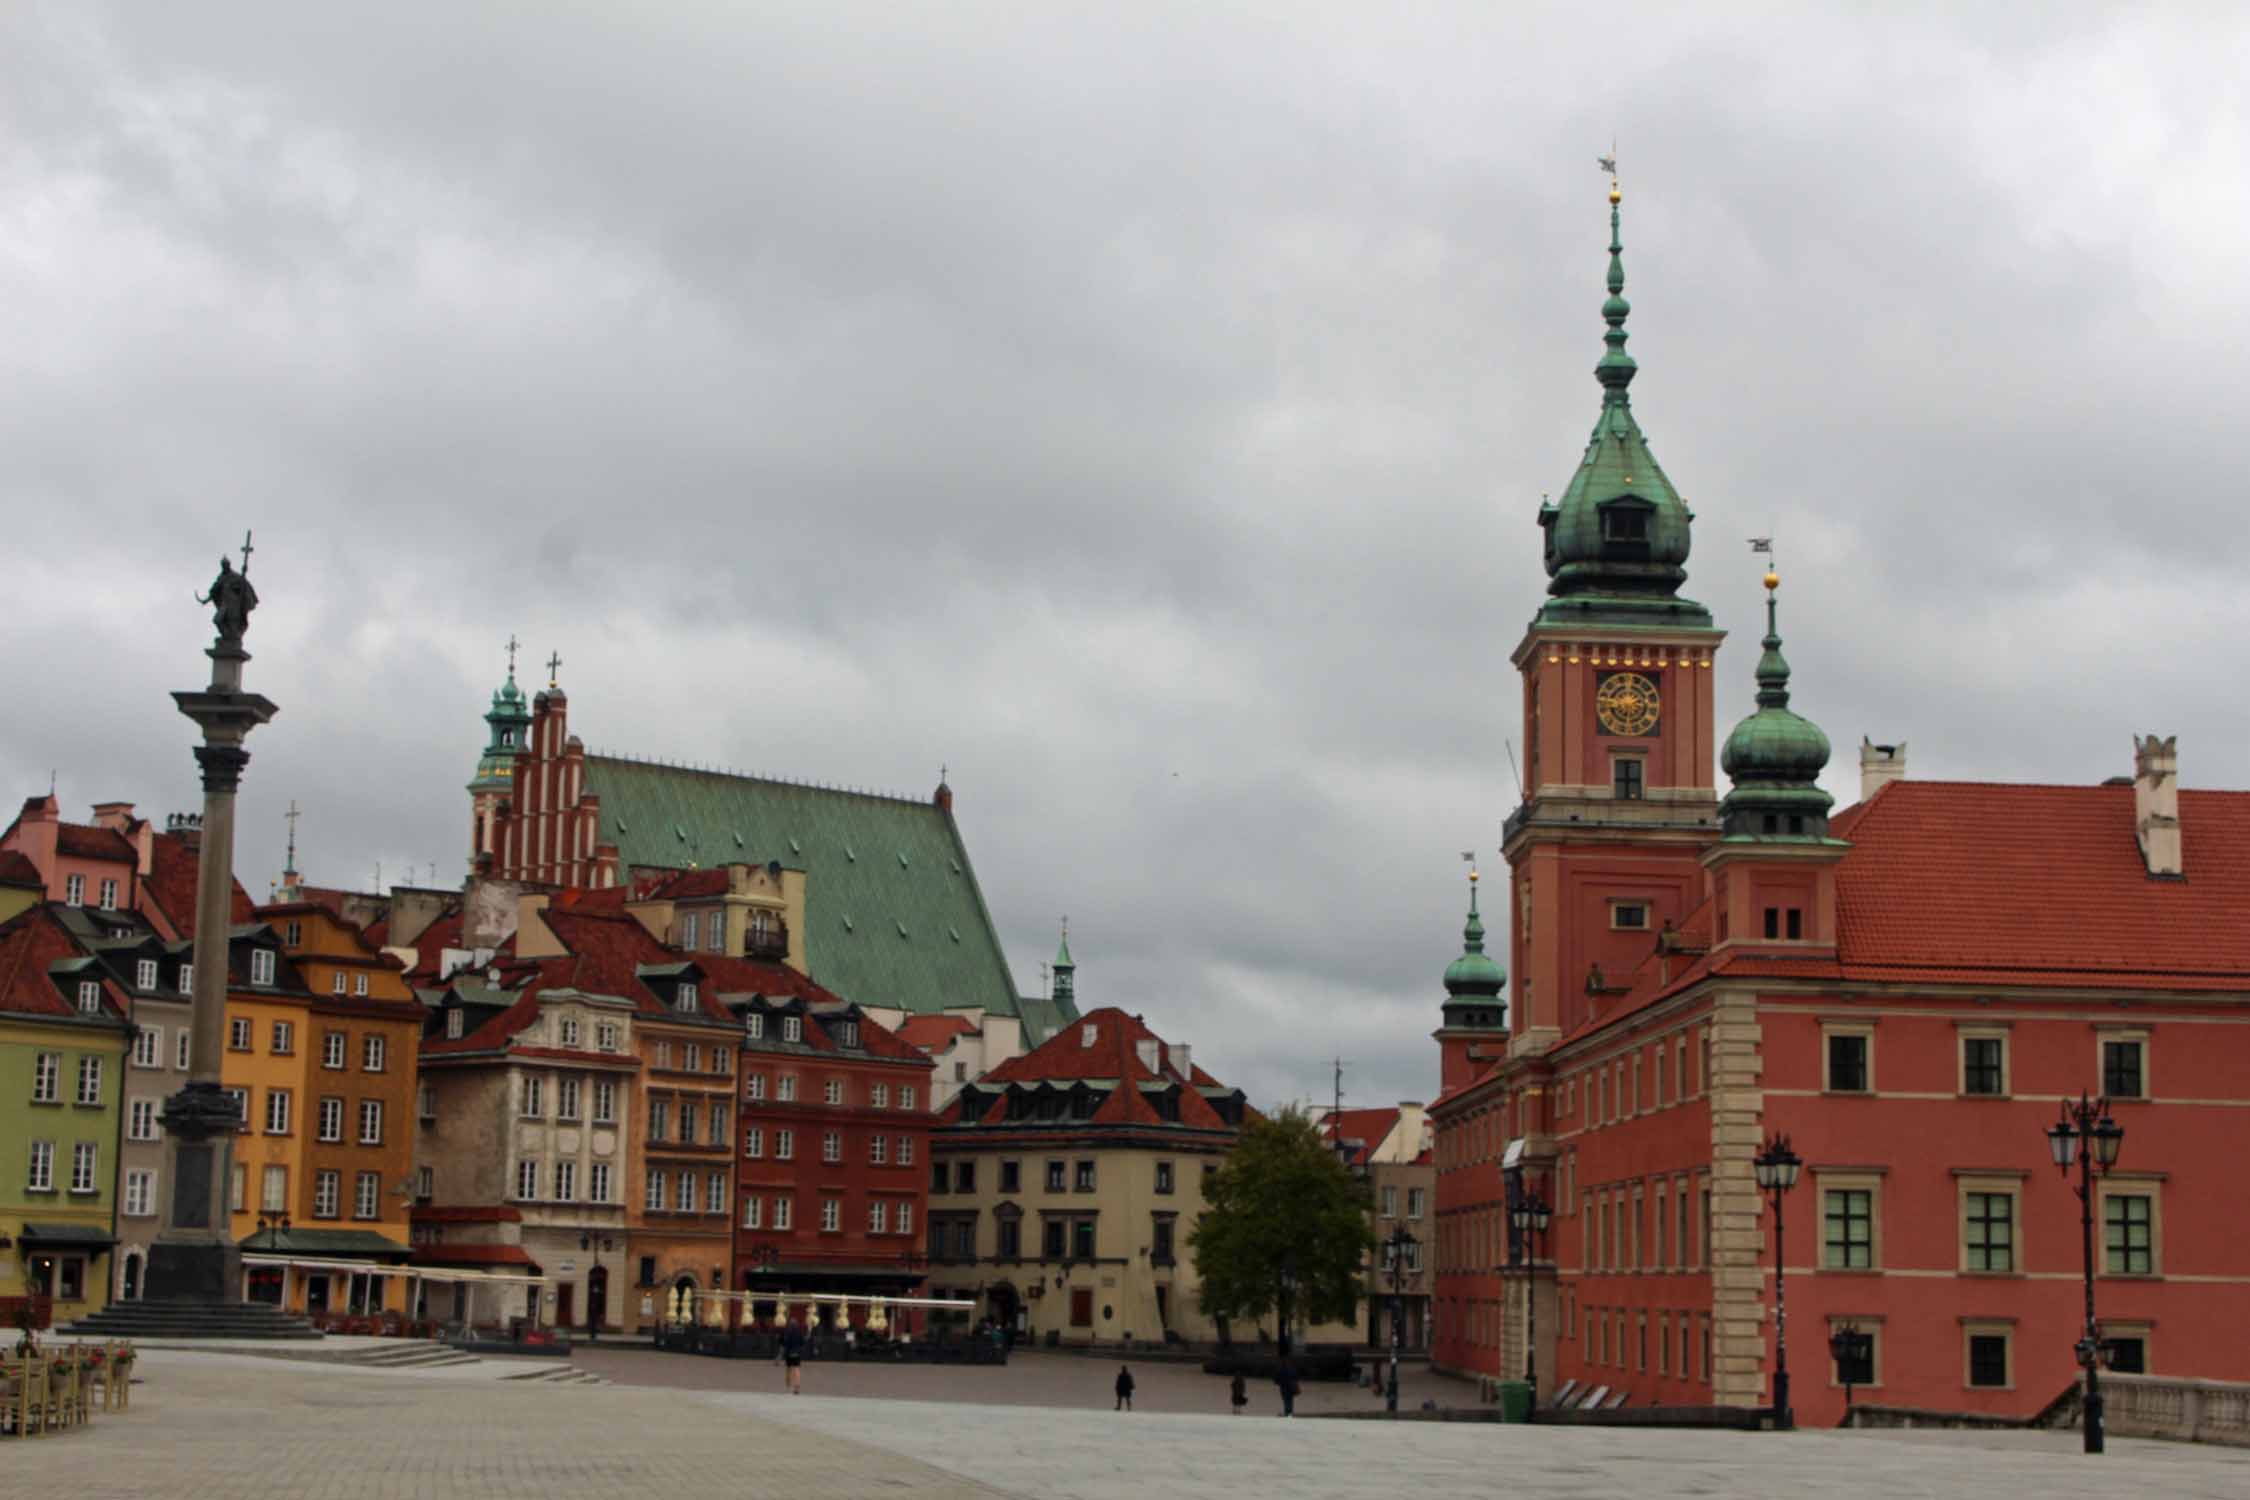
x: 1239, y: 1394
x: 1124, y: 1388
x: 793, y: 1355
x: 1286, y: 1378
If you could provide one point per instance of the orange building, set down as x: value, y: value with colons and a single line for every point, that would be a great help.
x: 322, y: 1036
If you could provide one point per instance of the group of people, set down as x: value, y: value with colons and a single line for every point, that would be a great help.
x: 1238, y: 1392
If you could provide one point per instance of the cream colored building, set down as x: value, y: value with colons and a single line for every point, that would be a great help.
x: 1065, y: 1183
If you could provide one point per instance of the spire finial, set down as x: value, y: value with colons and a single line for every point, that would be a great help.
x: 512, y: 644
x: 1773, y: 667
x: 247, y: 549
x: 289, y: 866
x: 1616, y: 369
x: 554, y: 666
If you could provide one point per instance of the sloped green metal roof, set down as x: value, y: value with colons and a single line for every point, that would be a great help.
x: 893, y: 916
x: 1043, y: 1018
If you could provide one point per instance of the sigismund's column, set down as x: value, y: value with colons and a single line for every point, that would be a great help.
x: 194, y: 1256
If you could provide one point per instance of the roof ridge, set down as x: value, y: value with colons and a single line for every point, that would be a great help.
x: 730, y: 774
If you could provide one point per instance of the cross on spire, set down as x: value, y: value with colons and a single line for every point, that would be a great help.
x: 512, y: 656
x: 554, y: 665
x: 247, y: 549
x: 289, y: 867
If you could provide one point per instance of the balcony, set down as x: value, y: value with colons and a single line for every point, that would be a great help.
x: 767, y: 942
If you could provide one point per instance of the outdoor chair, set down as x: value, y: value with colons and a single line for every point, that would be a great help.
x: 25, y: 1411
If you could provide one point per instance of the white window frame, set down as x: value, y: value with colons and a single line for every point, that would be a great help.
x: 367, y: 1195
x: 569, y: 1031
x: 371, y: 1122
x: 605, y: 1102
x: 715, y: 1193
x: 832, y: 1091
x: 261, y: 967
x: 598, y: 1182
x: 831, y: 1145
x: 109, y: 895
x: 784, y: 1210
x: 754, y: 1142
x: 238, y: 1034
x: 140, y: 1192
x: 375, y: 1053
x: 46, y: 1078
x: 89, y: 997
x: 566, y: 1181
x: 683, y: 1192
x: 144, y: 974
x: 754, y: 1026
x: 90, y: 1079
x: 333, y: 1048
x: 906, y: 1096
x: 785, y: 1145
x: 754, y: 1087
x: 74, y: 890
x: 753, y: 1211
x: 792, y: 1028
x: 527, y: 1180
x: 652, y: 1200
x: 184, y: 1050
x: 785, y: 1088
x: 906, y: 1151
x: 277, y: 1111
x: 328, y: 1193
x: 140, y: 1120
x: 282, y: 1041
x: 41, y: 1176
x: 831, y: 1215
x: 331, y: 1118
x: 85, y: 1167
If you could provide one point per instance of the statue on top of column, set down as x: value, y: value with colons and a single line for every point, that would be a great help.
x: 231, y: 598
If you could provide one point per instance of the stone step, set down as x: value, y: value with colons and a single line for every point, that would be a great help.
x: 155, y: 1319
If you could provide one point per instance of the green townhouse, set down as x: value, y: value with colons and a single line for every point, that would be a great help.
x: 64, y: 1032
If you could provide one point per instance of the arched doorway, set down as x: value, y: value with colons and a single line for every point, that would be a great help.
x: 680, y: 1303
x: 130, y: 1285
x: 1005, y: 1308
x: 597, y: 1298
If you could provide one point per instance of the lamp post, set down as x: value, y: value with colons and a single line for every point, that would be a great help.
x: 1288, y: 1278
x: 1394, y: 1259
x: 1776, y: 1169
x: 1531, y: 1216
x: 1850, y: 1349
x: 2085, y: 1135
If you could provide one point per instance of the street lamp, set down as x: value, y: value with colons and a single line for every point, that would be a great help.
x: 1530, y: 1216
x: 1776, y: 1168
x: 1851, y: 1349
x: 2084, y: 1134
x: 1394, y: 1258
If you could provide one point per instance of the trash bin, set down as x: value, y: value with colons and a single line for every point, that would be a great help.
x: 1515, y: 1401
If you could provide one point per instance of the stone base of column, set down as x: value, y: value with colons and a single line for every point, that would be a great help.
x: 194, y: 1271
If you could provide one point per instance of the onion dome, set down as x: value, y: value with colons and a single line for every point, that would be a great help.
x: 1474, y: 981
x: 1617, y: 539
x: 1775, y: 757
x: 509, y: 718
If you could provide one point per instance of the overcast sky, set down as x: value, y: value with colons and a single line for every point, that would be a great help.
x: 1142, y: 409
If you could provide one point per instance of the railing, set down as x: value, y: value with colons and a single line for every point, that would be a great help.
x: 2188, y: 1411
x: 2145, y: 1406
x: 767, y: 942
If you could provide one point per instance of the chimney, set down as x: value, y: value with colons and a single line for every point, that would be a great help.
x: 114, y: 816
x: 2156, y: 803
x: 1879, y: 765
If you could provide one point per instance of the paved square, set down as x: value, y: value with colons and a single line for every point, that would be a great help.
x: 207, y: 1424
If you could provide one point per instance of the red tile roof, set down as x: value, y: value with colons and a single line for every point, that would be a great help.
x: 1992, y: 877
x: 1111, y: 1053
x: 687, y: 885
x: 16, y: 869
x: 168, y: 890
x: 1369, y: 1127
x: 27, y: 946
x: 85, y: 841
x: 933, y: 1034
x: 472, y: 1255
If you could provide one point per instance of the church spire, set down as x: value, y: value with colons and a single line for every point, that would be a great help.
x: 1065, y: 971
x: 1473, y: 981
x: 1617, y: 539
x: 1774, y: 756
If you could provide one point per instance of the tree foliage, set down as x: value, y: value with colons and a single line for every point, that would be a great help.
x: 1282, y: 1211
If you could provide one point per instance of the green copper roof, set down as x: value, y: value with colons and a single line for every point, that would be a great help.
x: 1062, y: 953
x: 1774, y: 756
x: 1474, y: 976
x: 893, y: 916
x: 508, y: 717
x: 1617, y: 540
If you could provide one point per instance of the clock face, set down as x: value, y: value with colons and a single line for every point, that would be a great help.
x: 1627, y: 703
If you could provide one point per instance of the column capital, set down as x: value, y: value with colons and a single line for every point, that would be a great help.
x: 222, y: 766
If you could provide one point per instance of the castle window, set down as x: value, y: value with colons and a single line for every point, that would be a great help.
x: 1628, y: 914
x: 1625, y: 778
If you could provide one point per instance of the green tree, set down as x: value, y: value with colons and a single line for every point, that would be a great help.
x: 1285, y: 1229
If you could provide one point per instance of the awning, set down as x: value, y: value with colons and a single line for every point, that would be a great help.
x: 328, y: 1244
x: 366, y: 1268
x: 67, y: 1237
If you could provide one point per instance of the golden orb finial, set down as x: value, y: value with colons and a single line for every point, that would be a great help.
x: 1773, y: 579
x: 1473, y: 876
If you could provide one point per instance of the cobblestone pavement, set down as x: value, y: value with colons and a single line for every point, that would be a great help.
x: 228, y: 1425
x: 1028, y: 1379
x: 237, y: 1425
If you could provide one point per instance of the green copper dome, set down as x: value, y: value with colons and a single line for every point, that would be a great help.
x: 1617, y: 540
x: 1473, y: 981
x: 1775, y: 757
x: 509, y: 717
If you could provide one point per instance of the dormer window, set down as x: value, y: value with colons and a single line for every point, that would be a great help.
x: 1625, y: 523
x: 569, y: 1031
x: 144, y: 974
x: 1086, y: 1035
x: 792, y: 1029
x: 847, y: 1034
x: 453, y: 1019
x: 261, y: 966
x: 90, y: 996
x: 754, y: 1026
x: 685, y: 998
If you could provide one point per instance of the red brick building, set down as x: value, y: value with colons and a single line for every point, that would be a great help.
x: 1904, y: 990
x: 835, y: 1143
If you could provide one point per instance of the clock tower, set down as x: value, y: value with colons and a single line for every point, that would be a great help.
x: 1618, y: 796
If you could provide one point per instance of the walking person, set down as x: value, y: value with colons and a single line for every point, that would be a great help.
x: 1124, y: 1388
x: 1286, y: 1378
x: 1239, y: 1394
x: 793, y: 1355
